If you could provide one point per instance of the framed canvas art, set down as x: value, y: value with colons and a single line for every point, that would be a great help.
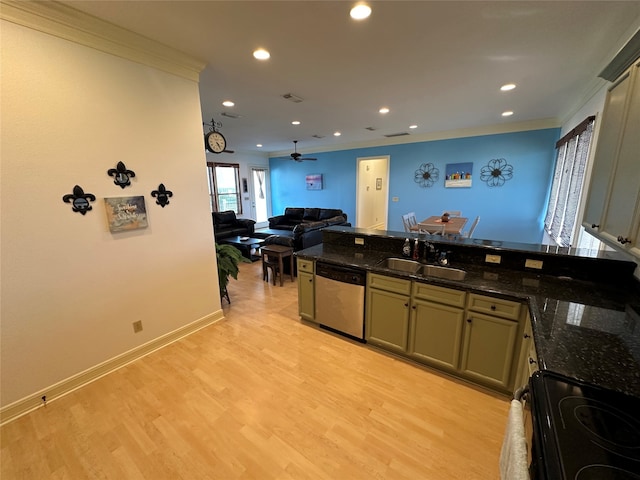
x: 458, y: 175
x: 314, y: 181
x: 126, y: 213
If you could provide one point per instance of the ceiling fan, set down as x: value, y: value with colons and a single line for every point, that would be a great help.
x: 298, y: 156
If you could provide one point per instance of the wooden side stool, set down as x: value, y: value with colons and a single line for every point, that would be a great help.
x: 272, y: 256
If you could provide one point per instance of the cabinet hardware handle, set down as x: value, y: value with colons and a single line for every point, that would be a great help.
x: 413, y: 306
x: 593, y: 225
x: 406, y: 304
x: 311, y: 280
x: 468, y: 320
x: 623, y: 240
x: 526, y: 335
x: 493, y: 307
x: 532, y: 361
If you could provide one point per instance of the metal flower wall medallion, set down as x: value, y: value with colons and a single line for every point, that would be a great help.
x: 426, y: 175
x: 496, y: 172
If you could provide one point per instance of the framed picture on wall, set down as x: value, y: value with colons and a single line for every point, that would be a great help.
x: 458, y: 175
x: 314, y: 181
x: 126, y: 213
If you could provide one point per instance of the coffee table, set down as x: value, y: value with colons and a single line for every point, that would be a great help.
x: 244, y: 244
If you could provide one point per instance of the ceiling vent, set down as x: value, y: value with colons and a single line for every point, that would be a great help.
x: 318, y: 136
x: 400, y: 134
x: 371, y: 129
x: 230, y: 115
x: 292, y: 98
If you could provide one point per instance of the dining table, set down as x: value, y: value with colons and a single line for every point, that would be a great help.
x: 453, y: 227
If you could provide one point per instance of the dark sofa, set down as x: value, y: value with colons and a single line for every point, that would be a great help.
x: 226, y: 224
x: 305, y: 225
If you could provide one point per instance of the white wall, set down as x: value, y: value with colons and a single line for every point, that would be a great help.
x: 70, y: 289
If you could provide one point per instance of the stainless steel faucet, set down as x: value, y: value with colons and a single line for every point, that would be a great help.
x: 429, y: 251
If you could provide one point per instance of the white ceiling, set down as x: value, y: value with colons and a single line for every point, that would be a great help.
x: 437, y: 64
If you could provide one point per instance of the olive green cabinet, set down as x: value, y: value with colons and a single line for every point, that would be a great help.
x: 306, y: 290
x: 387, y: 312
x: 490, y: 340
x: 473, y: 336
x: 436, y: 325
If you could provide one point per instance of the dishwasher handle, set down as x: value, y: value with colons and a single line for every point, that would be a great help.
x: 342, y: 274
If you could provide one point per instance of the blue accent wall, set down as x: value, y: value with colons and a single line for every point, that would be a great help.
x: 513, y: 212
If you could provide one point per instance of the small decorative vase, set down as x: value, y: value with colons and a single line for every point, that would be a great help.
x: 445, y: 218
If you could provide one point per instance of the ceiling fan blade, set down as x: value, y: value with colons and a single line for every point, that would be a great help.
x: 309, y: 158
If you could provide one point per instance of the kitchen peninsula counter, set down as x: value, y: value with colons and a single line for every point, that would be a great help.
x: 588, y: 330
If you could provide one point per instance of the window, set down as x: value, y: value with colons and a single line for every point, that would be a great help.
x: 571, y: 160
x: 224, y: 186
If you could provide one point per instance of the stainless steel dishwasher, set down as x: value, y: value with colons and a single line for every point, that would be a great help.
x: 340, y: 299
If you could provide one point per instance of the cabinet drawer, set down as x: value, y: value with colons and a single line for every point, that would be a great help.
x: 305, y: 265
x: 434, y: 293
x: 390, y: 284
x: 494, y: 306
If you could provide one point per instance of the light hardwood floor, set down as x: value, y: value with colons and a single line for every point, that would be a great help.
x: 261, y: 395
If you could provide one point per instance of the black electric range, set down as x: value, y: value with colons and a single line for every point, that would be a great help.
x: 582, y: 431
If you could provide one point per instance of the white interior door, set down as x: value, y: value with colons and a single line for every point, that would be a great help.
x: 260, y: 196
x: 372, y: 192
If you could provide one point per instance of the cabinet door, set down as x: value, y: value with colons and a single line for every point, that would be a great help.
x: 435, y: 334
x: 522, y: 365
x: 306, y: 295
x: 612, y: 121
x: 487, y: 354
x: 621, y: 212
x: 387, y: 319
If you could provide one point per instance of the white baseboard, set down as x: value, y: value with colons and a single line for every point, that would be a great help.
x: 57, y: 390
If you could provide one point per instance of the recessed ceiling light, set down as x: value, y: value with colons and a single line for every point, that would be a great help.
x: 508, y: 113
x: 228, y: 103
x: 261, y: 54
x: 507, y: 87
x: 295, y: 122
x: 259, y: 145
x: 384, y: 110
x: 360, y: 11
x: 413, y: 126
x: 336, y: 134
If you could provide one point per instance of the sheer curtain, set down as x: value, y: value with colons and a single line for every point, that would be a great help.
x: 568, y: 179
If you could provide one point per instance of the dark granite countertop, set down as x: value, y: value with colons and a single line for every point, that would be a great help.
x: 582, y: 329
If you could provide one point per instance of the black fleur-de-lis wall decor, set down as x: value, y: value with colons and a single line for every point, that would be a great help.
x: 162, y: 195
x: 79, y: 200
x: 122, y: 176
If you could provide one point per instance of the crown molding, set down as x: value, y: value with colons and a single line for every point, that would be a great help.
x: 65, y: 22
x: 432, y: 136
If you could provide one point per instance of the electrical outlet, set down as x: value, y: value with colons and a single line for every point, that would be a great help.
x: 395, y: 199
x: 137, y: 326
x: 492, y: 258
x: 359, y: 241
x: 529, y: 263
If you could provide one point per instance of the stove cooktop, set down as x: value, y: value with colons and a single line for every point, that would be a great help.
x: 584, y: 432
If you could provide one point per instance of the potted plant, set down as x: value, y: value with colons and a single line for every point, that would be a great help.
x: 228, y: 258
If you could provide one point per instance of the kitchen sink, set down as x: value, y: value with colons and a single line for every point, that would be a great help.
x: 416, y: 268
x: 401, y: 265
x: 447, y: 273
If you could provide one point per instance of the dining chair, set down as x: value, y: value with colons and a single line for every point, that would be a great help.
x: 473, y: 227
x: 453, y: 213
x: 431, y: 228
x: 409, y: 220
